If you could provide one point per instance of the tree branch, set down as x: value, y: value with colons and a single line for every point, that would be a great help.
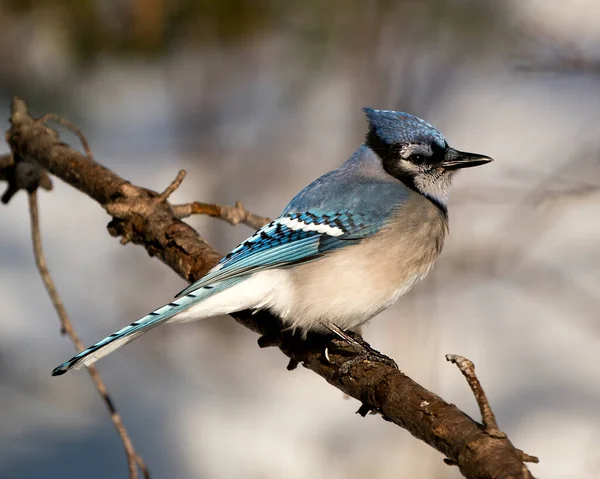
x: 146, y: 218
x: 467, y: 368
x: 233, y: 215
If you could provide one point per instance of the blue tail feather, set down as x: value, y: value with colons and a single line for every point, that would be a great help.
x: 137, y: 328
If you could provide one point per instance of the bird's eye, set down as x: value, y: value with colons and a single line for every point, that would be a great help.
x: 418, y: 159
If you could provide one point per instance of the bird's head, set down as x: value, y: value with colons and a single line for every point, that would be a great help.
x: 417, y: 154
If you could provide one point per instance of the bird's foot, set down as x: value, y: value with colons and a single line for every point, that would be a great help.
x: 365, y: 353
x: 347, y: 343
x: 371, y: 356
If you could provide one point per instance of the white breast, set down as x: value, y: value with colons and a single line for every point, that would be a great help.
x: 339, y: 289
x: 346, y: 287
x: 351, y: 285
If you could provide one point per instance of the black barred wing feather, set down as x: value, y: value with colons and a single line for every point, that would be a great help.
x: 291, y: 239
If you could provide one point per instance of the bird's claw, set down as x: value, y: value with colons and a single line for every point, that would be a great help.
x: 371, y: 356
x: 364, y: 352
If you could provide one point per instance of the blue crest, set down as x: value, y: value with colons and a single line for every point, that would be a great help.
x: 393, y: 127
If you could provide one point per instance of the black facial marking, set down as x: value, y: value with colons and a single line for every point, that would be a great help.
x: 385, y: 151
x: 390, y: 159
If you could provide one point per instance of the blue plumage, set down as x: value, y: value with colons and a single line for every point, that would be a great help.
x: 399, y: 127
x: 291, y: 239
x: 350, y: 199
x: 346, y: 246
x: 150, y: 321
x: 359, y: 186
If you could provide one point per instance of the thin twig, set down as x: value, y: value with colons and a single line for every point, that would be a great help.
x: 66, y: 327
x: 467, y: 368
x: 527, y: 457
x: 233, y: 215
x: 169, y: 190
x: 71, y: 127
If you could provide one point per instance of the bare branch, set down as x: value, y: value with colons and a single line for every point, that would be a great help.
x: 169, y: 190
x: 70, y: 126
x: 528, y: 458
x: 234, y: 215
x: 376, y: 384
x: 467, y: 368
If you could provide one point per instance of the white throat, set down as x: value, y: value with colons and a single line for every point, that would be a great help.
x: 436, y: 187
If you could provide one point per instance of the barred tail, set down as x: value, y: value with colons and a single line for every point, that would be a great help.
x: 136, y: 329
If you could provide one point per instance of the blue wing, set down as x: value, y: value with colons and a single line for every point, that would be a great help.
x: 290, y: 239
x: 337, y: 210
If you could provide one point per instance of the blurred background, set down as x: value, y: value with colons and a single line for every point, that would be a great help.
x: 256, y: 99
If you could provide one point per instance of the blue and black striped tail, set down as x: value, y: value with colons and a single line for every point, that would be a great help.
x: 139, y: 327
x: 122, y: 337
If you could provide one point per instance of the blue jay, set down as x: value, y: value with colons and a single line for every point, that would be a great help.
x: 343, y: 250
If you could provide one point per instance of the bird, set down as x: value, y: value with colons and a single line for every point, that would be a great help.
x: 344, y: 249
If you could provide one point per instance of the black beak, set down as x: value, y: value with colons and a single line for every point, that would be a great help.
x: 459, y: 159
